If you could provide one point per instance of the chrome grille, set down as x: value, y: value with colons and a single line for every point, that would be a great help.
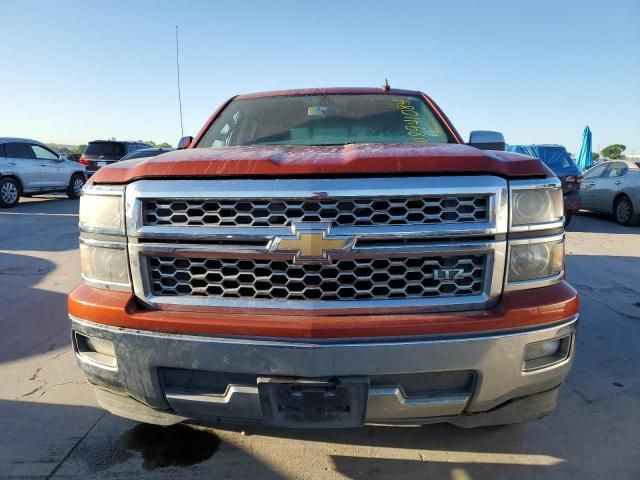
x: 352, y: 279
x: 359, y: 211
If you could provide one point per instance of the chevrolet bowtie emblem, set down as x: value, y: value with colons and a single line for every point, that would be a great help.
x: 311, y: 245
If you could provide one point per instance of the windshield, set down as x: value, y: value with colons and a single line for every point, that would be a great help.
x: 325, y: 120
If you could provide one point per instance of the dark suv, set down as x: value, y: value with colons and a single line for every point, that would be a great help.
x: 101, y: 153
x: 558, y: 159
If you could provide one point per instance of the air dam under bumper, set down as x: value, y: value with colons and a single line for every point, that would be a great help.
x: 465, y: 380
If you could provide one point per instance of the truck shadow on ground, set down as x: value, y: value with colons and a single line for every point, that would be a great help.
x: 34, y: 320
x: 83, y: 442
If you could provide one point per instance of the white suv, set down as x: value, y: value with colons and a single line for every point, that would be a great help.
x: 28, y: 167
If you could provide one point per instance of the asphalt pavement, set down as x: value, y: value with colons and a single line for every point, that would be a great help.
x: 51, y: 426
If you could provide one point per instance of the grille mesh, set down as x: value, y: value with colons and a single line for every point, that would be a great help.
x: 354, y: 279
x: 338, y: 212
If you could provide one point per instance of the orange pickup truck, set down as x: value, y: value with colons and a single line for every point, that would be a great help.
x: 326, y: 258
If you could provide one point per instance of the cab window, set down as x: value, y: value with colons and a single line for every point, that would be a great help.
x: 19, y: 150
x: 617, y: 170
x: 596, y: 172
x: 42, y: 153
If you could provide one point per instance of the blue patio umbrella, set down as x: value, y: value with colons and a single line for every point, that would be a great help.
x: 584, y: 160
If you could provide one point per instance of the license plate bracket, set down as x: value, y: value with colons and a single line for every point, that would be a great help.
x: 287, y: 402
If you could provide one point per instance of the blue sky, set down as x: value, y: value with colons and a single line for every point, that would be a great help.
x: 538, y: 71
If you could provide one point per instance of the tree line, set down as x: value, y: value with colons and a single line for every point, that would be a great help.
x: 78, y: 149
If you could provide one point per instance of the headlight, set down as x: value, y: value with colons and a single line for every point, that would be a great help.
x: 103, y: 253
x: 535, y: 204
x: 540, y: 260
x: 102, y: 210
x: 104, y: 264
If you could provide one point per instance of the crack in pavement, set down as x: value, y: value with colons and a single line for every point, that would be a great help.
x: 59, y: 353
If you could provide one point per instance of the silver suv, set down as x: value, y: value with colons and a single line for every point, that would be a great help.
x: 28, y: 167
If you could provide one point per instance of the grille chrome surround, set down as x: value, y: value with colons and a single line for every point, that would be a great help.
x: 251, y: 243
x: 344, y: 280
x: 337, y: 212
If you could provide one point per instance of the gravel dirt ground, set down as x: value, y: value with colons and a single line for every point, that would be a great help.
x: 51, y: 427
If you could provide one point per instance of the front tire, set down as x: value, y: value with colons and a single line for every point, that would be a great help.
x: 623, y: 211
x: 75, y: 186
x: 9, y: 193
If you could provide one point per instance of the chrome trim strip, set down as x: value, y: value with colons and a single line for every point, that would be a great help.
x: 529, y: 241
x: 103, y: 243
x: 392, y: 403
x: 449, y: 230
x: 93, y: 189
x: 549, y: 182
x: 535, y: 283
x: 538, y: 226
x: 105, y: 285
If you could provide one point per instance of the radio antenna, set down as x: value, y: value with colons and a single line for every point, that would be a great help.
x: 179, y: 93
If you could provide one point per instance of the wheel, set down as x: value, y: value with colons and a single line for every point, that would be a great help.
x: 75, y: 186
x: 9, y: 193
x: 623, y: 211
x: 568, y: 215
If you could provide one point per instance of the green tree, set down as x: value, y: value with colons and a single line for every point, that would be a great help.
x: 595, y: 156
x: 613, y: 151
x: 164, y: 145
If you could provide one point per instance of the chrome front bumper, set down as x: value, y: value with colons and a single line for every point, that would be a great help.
x: 470, y: 375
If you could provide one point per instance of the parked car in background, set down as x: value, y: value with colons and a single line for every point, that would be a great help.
x: 29, y: 167
x: 613, y: 187
x: 100, y: 153
x: 558, y: 159
x: 147, y: 152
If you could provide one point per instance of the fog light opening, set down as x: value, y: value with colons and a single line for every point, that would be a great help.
x: 95, y: 349
x: 545, y: 353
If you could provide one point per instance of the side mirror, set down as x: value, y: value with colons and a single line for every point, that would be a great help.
x: 62, y: 157
x: 184, y: 143
x: 486, y: 140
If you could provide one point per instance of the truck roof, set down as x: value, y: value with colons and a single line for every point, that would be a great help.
x: 330, y: 91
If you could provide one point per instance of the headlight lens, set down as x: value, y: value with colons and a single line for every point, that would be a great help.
x: 536, y: 206
x: 106, y: 267
x: 536, y: 261
x: 102, y: 210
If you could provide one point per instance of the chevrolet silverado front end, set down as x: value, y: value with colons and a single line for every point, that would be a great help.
x: 325, y: 258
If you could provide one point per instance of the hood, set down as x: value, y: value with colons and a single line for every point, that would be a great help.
x: 344, y: 160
